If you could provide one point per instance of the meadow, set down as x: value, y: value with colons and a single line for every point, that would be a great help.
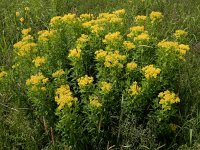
x: 91, y: 74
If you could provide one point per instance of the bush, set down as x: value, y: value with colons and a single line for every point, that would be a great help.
x: 94, y: 84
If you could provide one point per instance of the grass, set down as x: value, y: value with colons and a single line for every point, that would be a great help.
x: 179, y: 14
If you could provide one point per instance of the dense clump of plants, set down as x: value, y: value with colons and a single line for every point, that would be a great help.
x: 95, y: 84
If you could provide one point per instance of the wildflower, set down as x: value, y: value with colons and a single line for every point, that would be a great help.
x: 106, y: 87
x: 114, y: 59
x: 86, y: 16
x: 96, y: 29
x: 100, y: 54
x: 134, y: 89
x: 150, y: 71
x: 39, y: 61
x: 64, y: 97
x: 131, y: 66
x: 168, y: 98
x: 17, y: 14
x: 25, y: 48
x: 137, y: 29
x: 156, y: 16
x: 180, y: 33
x: 119, y: 12
x: 27, y: 38
x: 142, y: 37
x: 55, y: 19
x: 82, y: 40
x: 112, y: 37
x: 58, y: 73
x: 75, y: 53
x: 69, y: 18
x: 26, y: 8
x: 45, y: 35
x: 182, y: 48
x: 94, y: 102
x: 84, y: 81
x: 128, y: 45
x: 173, y: 126
x: 168, y: 44
x: 3, y: 74
x: 140, y: 18
x: 21, y: 19
x: 43, y: 88
x: 26, y: 31
x: 37, y: 79
x: 15, y: 65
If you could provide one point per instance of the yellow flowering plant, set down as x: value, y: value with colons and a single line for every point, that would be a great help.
x: 86, y: 74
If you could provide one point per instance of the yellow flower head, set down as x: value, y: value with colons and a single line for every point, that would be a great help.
x: 114, y: 59
x: 156, y: 16
x: 134, y: 89
x: 69, y: 18
x: 168, y: 98
x: 86, y: 16
x: 142, y: 37
x: 26, y: 8
x: 37, y: 79
x: 45, y: 35
x: 96, y: 29
x: 128, y: 45
x: 26, y: 31
x: 17, y: 14
x: 21, y: 19
x: 106, y: 87
x: 168, y: 44
x: 100, y: 54
x: 39, y: 61
x: 119, y: 12
x: 75, y: 53
x: 180, y: 33
x: 84, y: 81
x: 94, y: 102
x: 64, y: 97
x: 82, y: 40
x: 140, y: 18
x: 112, y: 37
x: 3, y: 74
x: 55, y: 19
x: 58, y: 73
x: 131, y: 66
x: 150, y: 71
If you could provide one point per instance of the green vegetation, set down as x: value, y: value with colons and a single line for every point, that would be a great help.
x: 29, y: 122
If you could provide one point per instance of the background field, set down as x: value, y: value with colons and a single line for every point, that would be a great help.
x: 16, y: 129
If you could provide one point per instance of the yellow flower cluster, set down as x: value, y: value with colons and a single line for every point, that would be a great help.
x: 119, y: 12
x: 94, y: 102
x: 86, y: 16
x: 69, y: 18
x: 135, y: 31
x: 140, y: 18
x: 128, y: 45
x: 180, y: 33
x: 84, y: 81
x: 58, y: 73
x: 113, y: 59
x: 39, y: 61
x: 96, y: 29
x: 100, y: 54
x: 2, y: 74
x: 75, y: 53
x: 182, y: 48
x: 142, y: 37
x: 37, y: 79
x: 168, y: 98
x: 55, y: 19
x: 156, y: 16
x: 25, y: 47
x: 21, y: 19
x: 134, y: 89
x: 45, y: 35
x: 17, y: 14
x: 131, y: 66
x: 26, y: 31
x: 106, y: 87
x: 168, y: 44
x: 81, y: 40
x: 112, y: 38
x: 64, y: 97
x: 150, y: 71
